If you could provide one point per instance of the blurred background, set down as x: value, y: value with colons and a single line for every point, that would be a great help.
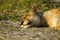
x: 14, y: 9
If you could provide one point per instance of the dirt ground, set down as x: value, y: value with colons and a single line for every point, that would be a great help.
x: 13, y: 31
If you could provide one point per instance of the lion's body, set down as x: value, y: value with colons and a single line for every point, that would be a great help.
x: 53, y: 18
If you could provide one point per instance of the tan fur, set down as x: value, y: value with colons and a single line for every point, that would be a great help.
x: 53, y: 18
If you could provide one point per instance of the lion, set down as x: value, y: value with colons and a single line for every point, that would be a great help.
x: 33, y: 19
x: 53, y: 18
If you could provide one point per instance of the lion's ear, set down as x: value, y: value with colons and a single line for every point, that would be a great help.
x: 31, y: 12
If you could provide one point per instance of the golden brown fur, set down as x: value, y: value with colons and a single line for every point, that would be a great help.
x: 53, y: 18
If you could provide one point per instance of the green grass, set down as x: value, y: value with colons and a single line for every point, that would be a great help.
x: 14, y: 9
